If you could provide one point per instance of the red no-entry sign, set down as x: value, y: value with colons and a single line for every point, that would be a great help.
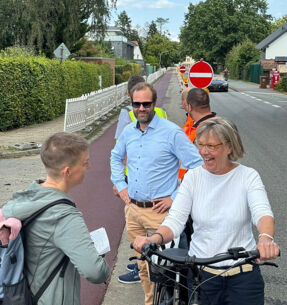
x: 200, y: 74
x: 182, y: 69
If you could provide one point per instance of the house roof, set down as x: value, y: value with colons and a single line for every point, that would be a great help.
x: 269, y: 39
x: 114, y: 29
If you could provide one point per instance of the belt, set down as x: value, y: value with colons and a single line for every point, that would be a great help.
x: 144, y: 204
x: 229, y: 272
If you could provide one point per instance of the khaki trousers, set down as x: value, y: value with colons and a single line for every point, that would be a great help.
x: 142, y: 222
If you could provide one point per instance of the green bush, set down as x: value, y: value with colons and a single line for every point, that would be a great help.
x: 119, y: 69
x: 282, y: 84
x: 126, y: 75
x: 122, y: 71
x: 35, y: 89
x: 240, y: 57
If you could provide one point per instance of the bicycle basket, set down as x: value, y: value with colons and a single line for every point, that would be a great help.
x: 161, y: 274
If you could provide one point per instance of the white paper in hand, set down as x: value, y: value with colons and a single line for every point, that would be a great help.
x: 101, y: 241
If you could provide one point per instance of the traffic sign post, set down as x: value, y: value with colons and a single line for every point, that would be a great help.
x: 62, y: 52
x: 201, y: 74
x: 182, y: 69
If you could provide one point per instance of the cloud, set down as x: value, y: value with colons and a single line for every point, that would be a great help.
x: 158, y: 4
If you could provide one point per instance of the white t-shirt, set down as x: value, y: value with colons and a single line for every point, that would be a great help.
x: 223, y: 208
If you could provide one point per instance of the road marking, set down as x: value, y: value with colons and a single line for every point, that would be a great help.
x: 264, y: 93
x: 260, y: 100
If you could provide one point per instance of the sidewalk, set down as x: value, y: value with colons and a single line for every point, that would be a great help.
x: 27, y: 140
x: 239, y: 85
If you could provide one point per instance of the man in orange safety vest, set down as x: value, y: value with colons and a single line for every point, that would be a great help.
x: 198, y: 108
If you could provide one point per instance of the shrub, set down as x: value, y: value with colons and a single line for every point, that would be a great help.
x: 35, y: 89
x: 240, y: 57
x: 123, y: 72
x: 282, y: 84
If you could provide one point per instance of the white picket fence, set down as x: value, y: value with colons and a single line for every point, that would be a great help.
x: 83, y: 111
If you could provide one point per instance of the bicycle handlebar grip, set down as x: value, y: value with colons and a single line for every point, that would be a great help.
x: 255, y: 253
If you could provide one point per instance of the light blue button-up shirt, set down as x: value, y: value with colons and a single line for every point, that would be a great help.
x: 152, y: 159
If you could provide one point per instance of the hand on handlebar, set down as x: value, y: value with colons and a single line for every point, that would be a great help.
x: 139, y: 242
x: 268, y: 249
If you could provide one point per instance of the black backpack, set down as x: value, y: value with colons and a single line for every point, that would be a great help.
x: 14, y: 287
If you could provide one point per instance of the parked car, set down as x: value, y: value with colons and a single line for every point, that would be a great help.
x: 218, y: 83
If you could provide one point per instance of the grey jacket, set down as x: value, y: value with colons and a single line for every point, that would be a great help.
x: 59, y: 230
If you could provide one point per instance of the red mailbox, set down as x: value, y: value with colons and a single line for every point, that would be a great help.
x: 274, y: 78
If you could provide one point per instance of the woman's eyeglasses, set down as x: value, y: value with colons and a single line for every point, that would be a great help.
x: 144, y: 104
x: 209, y: 147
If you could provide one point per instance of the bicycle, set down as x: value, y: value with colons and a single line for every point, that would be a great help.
x: 168, y: 272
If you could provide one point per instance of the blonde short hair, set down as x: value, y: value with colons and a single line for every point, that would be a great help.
x: 227, y: 132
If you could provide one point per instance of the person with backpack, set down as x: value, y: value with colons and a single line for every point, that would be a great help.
x: 59, y: 233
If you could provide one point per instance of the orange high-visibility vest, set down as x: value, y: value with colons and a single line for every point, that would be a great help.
x: 190, y: 131
x: 187, y: 125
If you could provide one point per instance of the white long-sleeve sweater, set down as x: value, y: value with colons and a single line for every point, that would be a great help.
x: 223, y: 208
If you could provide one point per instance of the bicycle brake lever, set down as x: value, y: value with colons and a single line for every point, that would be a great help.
x: 268, y: 264
x: 132, y: 258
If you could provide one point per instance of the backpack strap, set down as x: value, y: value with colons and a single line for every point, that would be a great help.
x: 64, y: 261
x: 62, y: 264
x: 28, y: 220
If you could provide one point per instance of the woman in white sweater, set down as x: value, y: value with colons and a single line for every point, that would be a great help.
x: 224, y: 199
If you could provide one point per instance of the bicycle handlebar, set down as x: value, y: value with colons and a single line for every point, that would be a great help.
x: 180, y: 256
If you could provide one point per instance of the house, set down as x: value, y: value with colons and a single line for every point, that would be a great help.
x: 121, y: 47
x: 189, y: 61
x: 274, y: 51
x: 137, y: 51
x: 275, y: 44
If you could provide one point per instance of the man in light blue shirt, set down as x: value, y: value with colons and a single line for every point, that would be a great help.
x: 154, y: 147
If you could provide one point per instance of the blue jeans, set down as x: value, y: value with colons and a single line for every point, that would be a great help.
x: 244, y: 288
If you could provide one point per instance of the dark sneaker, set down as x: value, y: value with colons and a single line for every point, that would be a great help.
x: 130, y: 278
x: 131, y: 267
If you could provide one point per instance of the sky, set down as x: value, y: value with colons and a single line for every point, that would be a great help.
x: 142, y: 12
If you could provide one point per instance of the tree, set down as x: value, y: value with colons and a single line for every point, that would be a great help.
x: 165, y: 52
x: 161, y: 21
x: 12, y: 23
x: 124, y: 23
x: 46, y: 24
x: 213, y: 27
x: 152, y: 29
x: 94, y: 49
x: 277, y: 23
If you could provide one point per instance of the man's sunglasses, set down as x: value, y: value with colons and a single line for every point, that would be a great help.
x: 144, y: 104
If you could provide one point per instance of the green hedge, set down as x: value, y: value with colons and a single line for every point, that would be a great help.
x: 123, y: 72
x: 282, y: 84
x: 35, y: 89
